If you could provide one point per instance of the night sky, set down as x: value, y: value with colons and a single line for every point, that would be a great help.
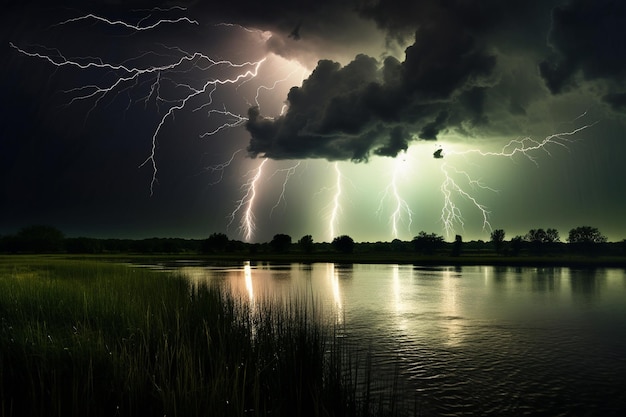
x: 137, y: 119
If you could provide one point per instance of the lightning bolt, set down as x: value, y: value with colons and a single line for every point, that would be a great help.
x: 127, y: 25
x: 152, y: 157
x: 336, y: 207
x: 122, y: 78
x: 288, y: 173
x: 155, y: 77
x: 451, y: 213
x: 233, y: 120
x: 246, y: 203
x: 219, y: 168
x: 402, y: 208
x: 270, y: 88
x: 526, y: 147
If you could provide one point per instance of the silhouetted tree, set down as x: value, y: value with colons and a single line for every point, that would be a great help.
x: 586, y: 239
x: 497, y: 239
x: 427, y: 243
x: 584, y: 234
x: 457, y: 246
x: 552, y: 236
x: 517, y: 243
x: 535, y: 239
x: 306, y: 243
x: 397, y: 245
x: 343, y: 244
x: 540, y: 240
x: 280, y: 242
x: 38, y: 239
x: 217, y: 242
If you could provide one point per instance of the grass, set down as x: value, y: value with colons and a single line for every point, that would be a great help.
x: 83, y: 337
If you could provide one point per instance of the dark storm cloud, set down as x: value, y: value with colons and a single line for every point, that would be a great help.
x: 616, y: 100
x: 588, y: 39
x: 370, y: 107
x: 349, y: 112
x: 455, y: 76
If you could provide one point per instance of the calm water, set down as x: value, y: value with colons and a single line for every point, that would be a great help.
x: 469, y: 340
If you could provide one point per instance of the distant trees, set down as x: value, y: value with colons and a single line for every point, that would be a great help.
x: 306, y: 243
x: 35, y: 239
x: 280, y: 242
x: 542, y: 236
x: 583, y: 239
x: 457, y: 246
x: 586, y: 234
x: 552, y: 236
x: 497, y: 239
x: 217, y: 242
x: 517, y: 243
x: 586, y: 239
x: 398, y: 245
x: 427, y: 243
x: 343, y: 244
x: 541, y: 240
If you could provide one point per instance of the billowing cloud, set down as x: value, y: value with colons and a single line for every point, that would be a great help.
x: 461, y: 74
x: 377, y: 107
x: 328, y: 29
x: 587, y: 37
x: 386, y: 73
x: 382, y: 75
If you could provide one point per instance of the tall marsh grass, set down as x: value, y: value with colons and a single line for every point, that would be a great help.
x: 85, y: 338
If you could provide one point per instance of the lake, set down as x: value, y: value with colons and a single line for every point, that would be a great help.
x: 476, y: 340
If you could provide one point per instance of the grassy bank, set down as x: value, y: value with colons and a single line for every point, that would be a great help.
x: 561, y: 260
x: 430, y: 260
x: 81, y: 337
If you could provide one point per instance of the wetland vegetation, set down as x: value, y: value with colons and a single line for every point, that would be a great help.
x: 83, y: 337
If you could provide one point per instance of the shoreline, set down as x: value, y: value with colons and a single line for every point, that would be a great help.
x: 571, y: 261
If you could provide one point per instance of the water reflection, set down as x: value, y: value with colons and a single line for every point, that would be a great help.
x: 400, y: 282
x: 468, y: 339
x: 450, y: 308
x: 247, y: 272
x: 397, y: 289
x: 333, y: 277
x: 587, y: 284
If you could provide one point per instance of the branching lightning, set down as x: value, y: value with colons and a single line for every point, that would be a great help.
x: 173, y: 79
x: 402, y: 209
x: 336, y: 207
x: 152, y: 157
x: 127, y: 75
x: 219, y: 168
x: 137, y: 27
x: 288, y: 173
x: 246, y: 203
x: 526, y: 147
x: 451, y: 213
x: 270, y: 88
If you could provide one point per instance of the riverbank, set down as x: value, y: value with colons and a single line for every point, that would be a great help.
x: 572, y: 261
x: 82, y: 337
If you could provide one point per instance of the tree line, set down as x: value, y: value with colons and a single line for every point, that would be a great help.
x: 581, y: 240
x: 48, y: 239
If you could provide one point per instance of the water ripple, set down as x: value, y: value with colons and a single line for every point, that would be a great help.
x: 477, y: 340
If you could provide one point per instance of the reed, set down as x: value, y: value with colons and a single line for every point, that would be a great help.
x: 81, y: 337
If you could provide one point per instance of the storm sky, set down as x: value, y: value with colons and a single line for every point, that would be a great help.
x: 150, y: 122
